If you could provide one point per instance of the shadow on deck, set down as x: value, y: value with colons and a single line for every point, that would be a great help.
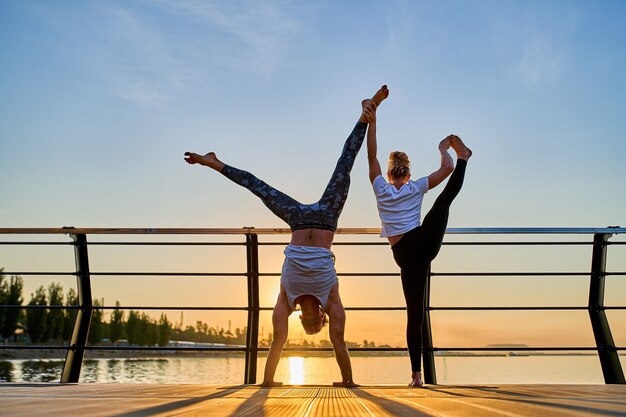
x: 125, y: 400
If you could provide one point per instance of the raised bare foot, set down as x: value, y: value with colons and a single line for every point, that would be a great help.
x: 380, y: 95
x: 378, y: 98
x: 462, y: 151
x: 209, y: 160
x: 416, y: 380
x: 271, y: 384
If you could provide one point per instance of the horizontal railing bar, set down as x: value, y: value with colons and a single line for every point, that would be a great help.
x: 38, y: 273
x: 504, y: 308
x: 313, y: 349
x: 513, y: 349
x: 169, y: 348
x: 401, y: 349
x: 34, y: 347
x: 36, y: 243
x: 385, y: 243
x: 382, y: 243
x: 452, y: 274
x: 171, y: 274
x: 39, y: 307
x: 167, y: 274
x: 167, y: 243
x: 344, y: 274
x: 170, y: 308
x: 227, y: 308
x: 264, y: 231
x: 62, y: 307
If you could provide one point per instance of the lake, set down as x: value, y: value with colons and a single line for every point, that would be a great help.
x: 370, y: 370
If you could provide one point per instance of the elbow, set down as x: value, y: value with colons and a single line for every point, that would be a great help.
x: 279, y: 340
x: 338, y: 343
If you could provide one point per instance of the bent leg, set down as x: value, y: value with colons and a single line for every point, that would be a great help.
x: 279, y: 203
x: 436, y: 221
x: 336, y: 192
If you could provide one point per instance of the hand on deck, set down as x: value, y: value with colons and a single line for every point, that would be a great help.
x: 269, y: 384
x: 346, y: 384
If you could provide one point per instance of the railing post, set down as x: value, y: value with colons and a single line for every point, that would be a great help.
x: 430, y: 375
x: 252, y: 336
x: 609, y: 359
x: 78, y: 341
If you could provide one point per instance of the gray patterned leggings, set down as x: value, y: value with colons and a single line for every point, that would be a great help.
x: 323, y: 214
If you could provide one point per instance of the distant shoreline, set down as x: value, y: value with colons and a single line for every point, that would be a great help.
x: 59, y: 354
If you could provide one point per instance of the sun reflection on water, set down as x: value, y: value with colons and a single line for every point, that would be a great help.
x: 296, y: 370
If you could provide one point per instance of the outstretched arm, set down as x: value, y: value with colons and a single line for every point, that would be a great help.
x: 337, y: 327
x: 280, y: 323
x: 447, y: 165
x: 372, y: 147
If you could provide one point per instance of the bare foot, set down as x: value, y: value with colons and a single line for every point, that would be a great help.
x: 462, y: 151
x: 271, y: 384
x: 380, y: 95
x: 345, y: 384
x: 416, y: 380
x: 378, y: 98
x: 209, y: 160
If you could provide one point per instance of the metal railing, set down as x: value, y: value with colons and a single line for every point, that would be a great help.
x: 604, y: 343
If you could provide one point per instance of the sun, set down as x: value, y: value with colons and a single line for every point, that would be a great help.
x: 296, y: 370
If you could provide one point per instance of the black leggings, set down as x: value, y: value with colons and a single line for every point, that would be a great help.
x: 413, y: 254
x: 323, y: 214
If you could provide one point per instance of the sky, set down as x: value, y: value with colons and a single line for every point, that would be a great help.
x: 99, y: 101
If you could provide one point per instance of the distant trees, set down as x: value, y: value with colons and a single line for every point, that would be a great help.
x: 116, y: 325
x: 164, y: 331
x: 10, y: 294
x: 54, y: 316
x: 69, y: 315
x: 36, y: 317
x: 96, y: 328
x: 51, y: 321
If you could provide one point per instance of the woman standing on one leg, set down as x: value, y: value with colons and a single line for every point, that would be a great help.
x: 308, y: 277
x: 415, y: 245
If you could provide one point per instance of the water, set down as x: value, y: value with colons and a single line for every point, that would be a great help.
x: 315, y: 370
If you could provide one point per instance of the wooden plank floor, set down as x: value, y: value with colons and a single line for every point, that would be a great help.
x: 122, y: 400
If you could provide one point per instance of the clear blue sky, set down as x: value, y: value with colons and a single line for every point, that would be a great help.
x: 99, y: 101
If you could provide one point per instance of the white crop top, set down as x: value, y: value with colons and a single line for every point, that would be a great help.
x: 399, y: 210
x: 308, y: 270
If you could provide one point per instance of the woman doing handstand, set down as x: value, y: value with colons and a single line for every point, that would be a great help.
x: 308, y: 276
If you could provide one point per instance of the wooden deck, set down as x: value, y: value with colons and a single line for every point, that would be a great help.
x: 121, y: 400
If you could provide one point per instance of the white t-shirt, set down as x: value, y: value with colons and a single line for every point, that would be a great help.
x: 399, y: 210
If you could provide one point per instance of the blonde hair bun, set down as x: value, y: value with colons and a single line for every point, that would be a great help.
x: 399, y: 165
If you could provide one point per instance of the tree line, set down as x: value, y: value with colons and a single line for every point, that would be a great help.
x: 52, y: 322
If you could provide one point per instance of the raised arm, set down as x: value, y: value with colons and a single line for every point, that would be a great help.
x: 447, y: 165
x: 280, y: 329
x: 372, y: 147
